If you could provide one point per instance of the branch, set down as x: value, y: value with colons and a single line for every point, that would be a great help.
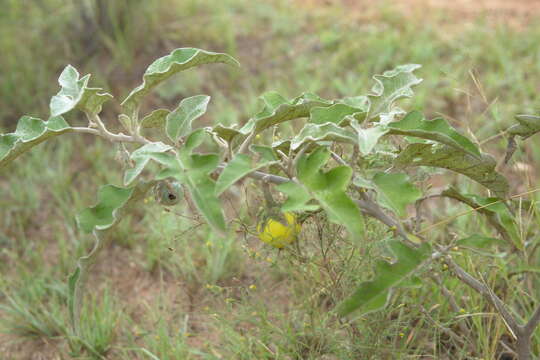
x: 245, y: 145
x: 533, y: 322
x: 110, y: 136
x: 95, y: 120
x: 488, y: 294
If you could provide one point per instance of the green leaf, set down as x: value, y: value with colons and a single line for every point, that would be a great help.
x: 242, y: 164
x: 297, y: 198
x: 372, y: 295
x: 192, y: 170
x: 102, y: 215
x: 167, y: 66
x: 276, y: 112
x: 180, y: 119
x: 480, y: 169
x: 111, y: 201
x: 156, y: 119
x: 527, y: 126
x: 414, y: 124
x: 334, y: 114
x: 29, y: 133
x: 227, y: 133
x: 266, y: 153
x: 361, y: 102
x: 391, y: 86
x: 395, y: 192
x: 329, y: 189
x: 322, y: 132
x: 495, y: 211
x: 74, y: 93
x: 236, y: 169
x: 141, y: 157
x: 368, y: 137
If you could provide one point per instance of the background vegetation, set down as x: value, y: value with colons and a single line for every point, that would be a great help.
x: 166, y: 288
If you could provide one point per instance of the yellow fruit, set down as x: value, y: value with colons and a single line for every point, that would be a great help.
x: 279, y: 232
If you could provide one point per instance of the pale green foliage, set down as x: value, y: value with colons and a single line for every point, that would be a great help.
x: 165, y: 67
x: 299, y: 164
x: 30, y: 132
x: 328, y: 188
x: 480, y: 169
x: 395, y: 192
x: 180, y: 119
x: 75, y: 93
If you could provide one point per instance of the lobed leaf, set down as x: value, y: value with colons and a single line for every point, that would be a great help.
x: 275, y: 111
x: 495, y: 211
x: 367, y: 138
x: 74, y: 93
x: 30, y: 132
x: 373, y: 295
x: 414, y: 124
x: 192, y: 171
x: 480, y: 169
x: 395, y: 192
x: 111, y: 201
x: 329, y: 189
x: 242, y: 164
x: 391, y: 86
x: 336, y: 114
x: 169, y: 65
x: 322, y: 132
x: 297, y: 197
x: 141, y: 157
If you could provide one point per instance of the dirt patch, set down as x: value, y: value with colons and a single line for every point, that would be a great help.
x: 518, y: 13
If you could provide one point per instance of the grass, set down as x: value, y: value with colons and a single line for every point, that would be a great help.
x: 177, y: 291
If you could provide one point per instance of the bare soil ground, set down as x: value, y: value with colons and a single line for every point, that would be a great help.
x: 516, y: 13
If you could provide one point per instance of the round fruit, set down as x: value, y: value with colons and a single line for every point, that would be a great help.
x: 279, y: 231
x: 168, y: 193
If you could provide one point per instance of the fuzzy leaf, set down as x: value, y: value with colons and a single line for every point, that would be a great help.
x: 29, y: 133
x: 395, y: 192
x: 227, y: 133
x: 322, y: 132
x: 101, y: 216
x: 242, y: 164
x: 141, y: 157
x: 372, y: 295
x: 111, y: 201
x: 391, y: 86
x: 414, y: 124
x: 275, y: 111
x: 297, y: 198
x: 329, y: 189
x: 180, y: 119
x: 192, y: 171
x: 75, y: 93
x: 169, y: 65
x: 156, y: 119
x: 528, y: 126
x: 480, y: 169
x: 368, y: 137
x: 336, y: 114
x: 495, y: 211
